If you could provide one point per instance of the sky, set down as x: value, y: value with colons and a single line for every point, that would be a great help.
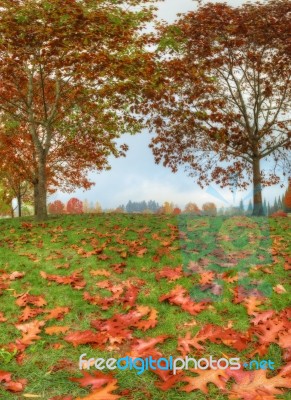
x: 138, y: 178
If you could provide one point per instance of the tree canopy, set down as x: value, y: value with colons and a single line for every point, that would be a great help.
x: 221, y: 98
x: 70, y: 71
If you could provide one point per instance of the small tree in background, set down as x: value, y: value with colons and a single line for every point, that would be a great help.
x: 74, y: 206
x: 97, y: 208
x: 209, y: 209
x: 280, y: 203
x: 287, y: 198
x: 86, y: 206
x: 6, y: 196
x: 241, y: 207
x: 250, y: 208
x: 177, y: 211
x: 147, y: 211
x: 192, y: 208
x: 119, y: 210
x: 265, y: 207
x: 57, y: 207
x: 27, y: 210
x: 221, y: 211
x: 167, y: 208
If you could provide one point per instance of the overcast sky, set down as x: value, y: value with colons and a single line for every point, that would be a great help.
x: 138, y: 178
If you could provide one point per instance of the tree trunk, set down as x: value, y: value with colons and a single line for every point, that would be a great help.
x: 19, y: 203
x: 41, y: 207
x: 35, y: 196
x: 257, y: 188
x: 12, y: 211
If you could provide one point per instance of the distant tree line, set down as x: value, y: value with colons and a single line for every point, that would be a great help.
x: 75, y: 206
x: 280, y: 204
x: 141, y: 206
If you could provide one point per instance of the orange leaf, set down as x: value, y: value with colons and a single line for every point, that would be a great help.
x: 205, y: 376
x: 56, y: 330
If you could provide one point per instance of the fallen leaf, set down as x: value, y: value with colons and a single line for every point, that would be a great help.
x: 56, y: 330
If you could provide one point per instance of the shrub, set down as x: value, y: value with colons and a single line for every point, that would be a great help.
x: 279, y: 213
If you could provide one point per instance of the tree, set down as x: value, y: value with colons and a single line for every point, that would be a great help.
x: 220, y: 99
x: 250, y: 208
x: 17, y: 188
x: 6, y: 197
x: 129, y: 206
x: 65, y: 169
x: 167, y: 208
x: 269, y: 209
x: 74, y: 206
x: 221, y: 211
x: 209, y: 209
x: 143, y: 205
x: 57, y: 207
x: 177, y: 211
x: 265, y: 207
x: 147, y: 211
x: 97, y: 208
x: 275, y: 206
x: 119, y: 210
x: 241, y: 206
x: 280, y: 203
x: 153, y: 205
x: 140, y: 206
x: 192, y: 208
x: 15, y: 163
x: 86, y: 206
x: 70, y: 71
x: 27, y: 210
x: 287, y: 198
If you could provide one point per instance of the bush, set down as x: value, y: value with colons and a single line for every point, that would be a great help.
x: 279, y: 213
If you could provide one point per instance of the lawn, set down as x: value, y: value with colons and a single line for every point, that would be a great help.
x: 117, y: 285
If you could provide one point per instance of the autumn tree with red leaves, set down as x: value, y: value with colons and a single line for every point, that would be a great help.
x: 56, y: 207
x: 74, y: 206
x: 69, y: 73
x: 287, y: 198
x: 64, y: 170
x: 220, y: 101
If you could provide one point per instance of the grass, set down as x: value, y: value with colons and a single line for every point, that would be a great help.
x: 28, y: 247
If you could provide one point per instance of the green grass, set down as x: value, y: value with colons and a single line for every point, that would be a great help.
x: 50, y: 247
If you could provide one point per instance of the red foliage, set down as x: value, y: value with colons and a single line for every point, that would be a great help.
x: 177, y: 211
x: 287, y: 199
x: 279, y: 213
x: 74, y: 206
x: 180, y: 297
x: 57, y: 207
